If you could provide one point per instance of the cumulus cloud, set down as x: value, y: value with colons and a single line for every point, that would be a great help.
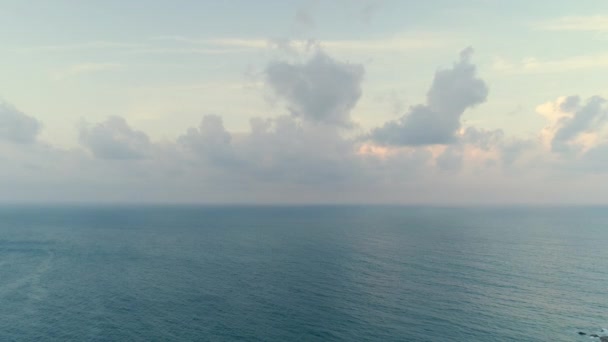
x: 320, y: 90
x: 437, y: 122
x: 585, y: 119
x: 17, y: 127
x: 115, y: 139
x: 210, y: 139
x: 573, y: 126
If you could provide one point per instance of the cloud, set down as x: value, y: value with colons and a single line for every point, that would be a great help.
x: 485, y: 139
x: 210, y: 139
x: 595, y: 160
x: 320, y: 90
x: 514, y: 150
x: 289, y: 149
x: 186, y: 45
x: 304, y: 19
x: 573, y: 125
x: 288, y: 152
x: 585, y: 119
x: 451, y: 159
x: 86, y: 68
x: 533, y: 65
x: 370, y: 8
x: 452, y: 92
x: 17, y: 127
x: 395, y: 43
x: 281, y: 150
x: 114, y: 139
x: 165, y: 44
x: 93, y: 45
x: 308, y: 157
x: 508, y: 151
x: 575, y: 23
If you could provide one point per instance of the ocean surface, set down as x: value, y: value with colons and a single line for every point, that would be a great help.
x: 316, y: 273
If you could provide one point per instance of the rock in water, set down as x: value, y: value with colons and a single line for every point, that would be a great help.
x: 594, y: 335
x: 581, y: 333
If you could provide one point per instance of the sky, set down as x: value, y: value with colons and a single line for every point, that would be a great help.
x: 311, y: 101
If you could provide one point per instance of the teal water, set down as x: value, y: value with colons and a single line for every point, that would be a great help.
x: 302, y: 273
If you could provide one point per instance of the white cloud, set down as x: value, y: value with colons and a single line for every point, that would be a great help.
x: 573, y: 126
x: 92, y: 45
x: 532, y: 65
x: 86, y: 68
x: 403, y: 42
x: 575, y: 23
x: 182, y: 45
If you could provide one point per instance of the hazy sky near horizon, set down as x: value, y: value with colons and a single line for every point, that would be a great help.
x: 345, y: 101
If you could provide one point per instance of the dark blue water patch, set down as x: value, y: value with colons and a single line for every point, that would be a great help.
x: 302, y: 273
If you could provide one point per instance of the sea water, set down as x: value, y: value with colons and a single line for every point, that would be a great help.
x: 309, y: 273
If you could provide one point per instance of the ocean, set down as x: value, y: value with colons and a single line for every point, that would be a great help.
x: 307, y: 273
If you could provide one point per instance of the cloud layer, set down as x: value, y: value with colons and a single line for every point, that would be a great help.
x: 314, y: 153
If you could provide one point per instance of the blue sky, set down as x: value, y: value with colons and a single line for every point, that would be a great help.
x: 303, y: 101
